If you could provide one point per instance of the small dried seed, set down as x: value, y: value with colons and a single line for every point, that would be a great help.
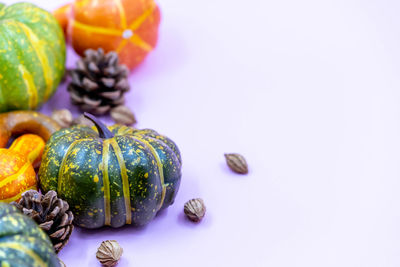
x: 123, y: 115
x: 195, y: 209
x: 237, y: 163
x: 62, y: 117
x: 81, y: 120
x: 109, y: 253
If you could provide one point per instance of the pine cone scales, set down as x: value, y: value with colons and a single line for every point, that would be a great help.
x: 98, y: 82
x: 51, y: 213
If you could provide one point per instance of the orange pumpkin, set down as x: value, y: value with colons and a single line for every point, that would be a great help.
x: 129, y: 27
x: 16, y: 166
x: 61, y: 15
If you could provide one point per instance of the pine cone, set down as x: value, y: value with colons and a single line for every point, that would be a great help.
x: 98, y: 82
x: 51, y: 213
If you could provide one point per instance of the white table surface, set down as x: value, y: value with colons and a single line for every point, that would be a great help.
x: 309, y: 92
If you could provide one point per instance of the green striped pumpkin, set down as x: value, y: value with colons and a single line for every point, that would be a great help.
x: 111, y: 176
x: 22, y: 242
x: 32, y: 56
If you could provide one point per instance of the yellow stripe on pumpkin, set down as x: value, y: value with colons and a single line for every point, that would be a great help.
x: 159, y: 165
x: 142, y: 18
x: 121, y: 13
x: 20, y: 143
x: 15, y: 176
x: 62, y: 166
x: 136, y: 40
x: 16, y: 145
x: 84, y: 3
x: 106, y: 182
x: 2, y: 10
x: 125, y: 181
x: 15, y: 198
x: 38, y: 47
x: 121, y: 45
x: 95, y: 29
x: 30, y: 86
x: 124, y: 130
x: 34, y: 154
x: 17, y: 246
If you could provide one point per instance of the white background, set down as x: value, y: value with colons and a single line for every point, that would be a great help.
x: 309, y: 92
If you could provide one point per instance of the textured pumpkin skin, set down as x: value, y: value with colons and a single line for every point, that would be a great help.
x: 32, y: 56
x: 22, y: 242
x: 94, y: 24
x: 122, y: 180
x: 17, y: 174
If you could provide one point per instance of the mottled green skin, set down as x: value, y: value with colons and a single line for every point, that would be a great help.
x: 17, y: 229
x: 71, y: 170
x: 42, y: 58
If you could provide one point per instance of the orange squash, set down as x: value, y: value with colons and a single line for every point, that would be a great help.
x: 129, y: 27
x: 17, y: 173
x: 17, y: 163
x: 19, y: 122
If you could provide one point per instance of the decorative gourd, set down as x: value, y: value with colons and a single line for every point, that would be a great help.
x: 129, y: 27
x: 32, y: 56
x: 113, y: 176
x: 61, y: 14
x: 22, y: 242
x: 17, y: 173
x: 18, y: 122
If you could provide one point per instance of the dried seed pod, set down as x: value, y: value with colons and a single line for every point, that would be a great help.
x: 195, y: 209
x: 63, y: 117
x: 109, y: 253
x: 123, y: 115
x: 82, y: 120
x: 237, y: 163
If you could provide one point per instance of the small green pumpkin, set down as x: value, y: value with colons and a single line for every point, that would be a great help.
x: 111, y: 176
x: 32, y: 56
x: 22, y: 242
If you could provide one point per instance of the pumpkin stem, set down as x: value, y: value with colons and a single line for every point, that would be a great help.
x: 101, y: 128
